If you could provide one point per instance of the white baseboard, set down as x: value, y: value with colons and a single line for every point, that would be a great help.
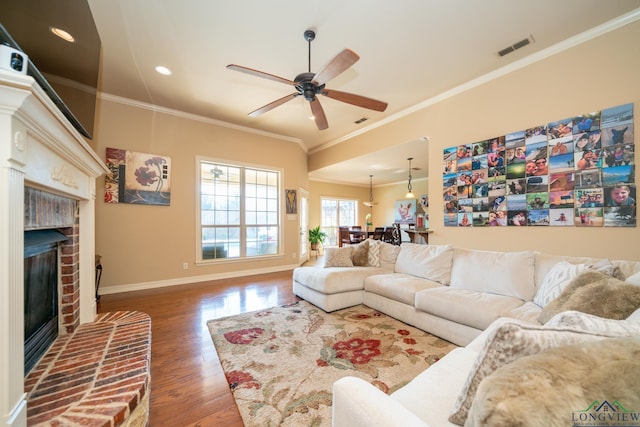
x: 18, y: 416
x: 193, y: 279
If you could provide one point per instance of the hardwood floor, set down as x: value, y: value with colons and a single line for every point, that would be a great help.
x: 188, y: 386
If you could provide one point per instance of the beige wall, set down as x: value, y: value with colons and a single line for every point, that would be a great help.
x: 141, y: 245
x: 319, y: 189
x: 386, y: 196
x: 146, y: 244
x: 598, y: 74
x: 382, y: 214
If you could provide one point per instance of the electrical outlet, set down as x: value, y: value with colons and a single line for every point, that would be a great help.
x: 185, y: 266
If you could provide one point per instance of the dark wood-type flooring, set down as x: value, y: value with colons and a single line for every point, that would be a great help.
x: 188, y: 386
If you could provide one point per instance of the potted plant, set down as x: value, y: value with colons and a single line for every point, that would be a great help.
x: 316, y: 237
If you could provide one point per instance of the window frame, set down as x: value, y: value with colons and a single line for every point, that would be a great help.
x: 335, y: 231
x: 199, y: 260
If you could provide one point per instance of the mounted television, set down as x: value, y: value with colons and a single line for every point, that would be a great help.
x: 66, y: 71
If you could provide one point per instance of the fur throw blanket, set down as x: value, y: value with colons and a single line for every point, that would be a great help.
x: 546, y: 388
x: 595, y: 293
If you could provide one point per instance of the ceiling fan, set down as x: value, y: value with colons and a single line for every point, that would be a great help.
x: 311, y: 84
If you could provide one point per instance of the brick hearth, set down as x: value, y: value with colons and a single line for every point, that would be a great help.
x: 97, y: 376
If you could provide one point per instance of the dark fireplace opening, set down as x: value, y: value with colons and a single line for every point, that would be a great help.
x: 40, y: 293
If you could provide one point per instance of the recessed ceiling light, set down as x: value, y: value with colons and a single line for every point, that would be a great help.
x: 62, y: 34
x: 163, y: 70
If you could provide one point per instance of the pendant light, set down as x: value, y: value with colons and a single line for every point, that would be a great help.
x: 409, y: 194
x: 370, y: 203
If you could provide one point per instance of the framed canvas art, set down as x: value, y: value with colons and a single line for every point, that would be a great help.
x: 137, y: 178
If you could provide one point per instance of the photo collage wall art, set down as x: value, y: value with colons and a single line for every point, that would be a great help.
x: 579, y: 171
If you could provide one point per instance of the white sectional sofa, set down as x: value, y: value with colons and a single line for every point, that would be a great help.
x: 477, y: 384
x: 471, y: 298
x: 453, y: 293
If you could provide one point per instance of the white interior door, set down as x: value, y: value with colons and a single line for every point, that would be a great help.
x: 304, y: 226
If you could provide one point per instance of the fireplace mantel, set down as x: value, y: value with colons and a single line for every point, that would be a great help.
x: 38, y: 148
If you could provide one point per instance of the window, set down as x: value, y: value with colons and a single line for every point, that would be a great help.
x: 336, y: 212
x: 239, y: 212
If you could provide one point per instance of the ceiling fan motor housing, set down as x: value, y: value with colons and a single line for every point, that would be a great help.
x: 306, y: 87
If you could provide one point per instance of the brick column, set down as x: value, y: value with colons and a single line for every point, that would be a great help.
x: 69, y: 289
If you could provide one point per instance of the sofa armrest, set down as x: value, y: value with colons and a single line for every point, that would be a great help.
x: 356, y: 403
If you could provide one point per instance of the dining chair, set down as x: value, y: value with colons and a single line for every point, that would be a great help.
x: 357, y: 237
x: 343, y: 236
x: 388, y: 235
x: 378, y: 233
x: 396, y: 233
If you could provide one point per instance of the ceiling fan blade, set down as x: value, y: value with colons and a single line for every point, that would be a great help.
x: 262, y: 74
x: 272, y: 105
x: 318, y: 114
x: 360, y: 101
x: 337, y: 65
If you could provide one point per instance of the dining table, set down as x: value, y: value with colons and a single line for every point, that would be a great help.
x: 358, y: 234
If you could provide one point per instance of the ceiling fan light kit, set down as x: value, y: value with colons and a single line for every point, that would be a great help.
x: 309, y: 84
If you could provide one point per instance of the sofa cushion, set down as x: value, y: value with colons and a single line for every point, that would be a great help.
x: 338, y: 257
x: 595, y: 293
x: 397, y: 286
x: 471, y: 308
x: 507, y: 343
x: 388, y: 255
x: 431, y: 262
x: 556, y: 280
x: 336, y: 279
x: 544, y: 388
x: 528, y: 312
x: 502, y: 273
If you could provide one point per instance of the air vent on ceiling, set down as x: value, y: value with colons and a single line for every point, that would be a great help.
x: 516, y: 46
x: 364, y: 119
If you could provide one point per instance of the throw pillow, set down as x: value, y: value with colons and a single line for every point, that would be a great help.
x: 360, y: 254
x: 595, y: 293
x: 556, y: 280
x: 507, y: 343
x: 607, y: 267
x: 374, y: 253
x: 338, y: 257
x: 634, y: 279
x: 591, y: 323
x: 543, y: 389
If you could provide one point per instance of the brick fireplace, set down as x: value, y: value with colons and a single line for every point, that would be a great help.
x: 42, y: 153
x: 44, y: 211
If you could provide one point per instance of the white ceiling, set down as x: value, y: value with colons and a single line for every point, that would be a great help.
x: 410, y: 51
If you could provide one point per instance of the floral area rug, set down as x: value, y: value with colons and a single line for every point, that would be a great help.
x: 281, y: 363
